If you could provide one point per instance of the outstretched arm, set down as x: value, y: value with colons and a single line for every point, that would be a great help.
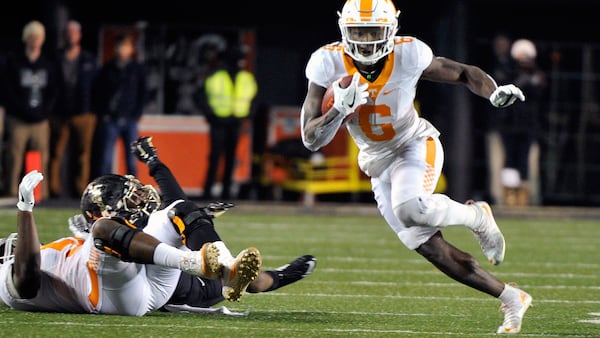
x: 145, y: 151
x: 474, y: 78
x: 26, y: 268
x: 170, y: 189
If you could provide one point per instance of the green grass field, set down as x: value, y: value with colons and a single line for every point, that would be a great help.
x: 366, y: 284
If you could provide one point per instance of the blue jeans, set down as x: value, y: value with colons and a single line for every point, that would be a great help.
x: 109, y: 132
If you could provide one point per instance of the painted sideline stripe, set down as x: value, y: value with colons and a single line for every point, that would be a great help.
x: 450, y: 284
x: 426, y: 263
x: 431, y: 272
x: 482, y: 299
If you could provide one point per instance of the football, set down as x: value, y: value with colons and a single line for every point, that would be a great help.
x: 327, y: 102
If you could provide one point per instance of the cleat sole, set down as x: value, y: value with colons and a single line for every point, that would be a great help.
x: 210, y: 256
x: 245, y: 270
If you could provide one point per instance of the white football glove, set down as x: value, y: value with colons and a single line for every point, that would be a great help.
x: 346, y: 100
x: 79, y: 226
x: 26, y: 187
x: 506, y: 95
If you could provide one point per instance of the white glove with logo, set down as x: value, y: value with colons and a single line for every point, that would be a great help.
x: 346, y: 100
x: 506, y: 95
x: 26, y: 187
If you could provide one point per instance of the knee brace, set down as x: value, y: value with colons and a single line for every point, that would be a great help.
x: 118, y: 242
x: 188, y: 219
x: 423, y: 211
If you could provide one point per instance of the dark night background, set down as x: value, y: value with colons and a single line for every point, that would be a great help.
x: 292, y: 30
x: 287, y: 32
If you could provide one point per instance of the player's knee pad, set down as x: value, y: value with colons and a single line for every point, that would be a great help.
x: 422, y: 210
x: 187, y: 217
x: 117, y: 241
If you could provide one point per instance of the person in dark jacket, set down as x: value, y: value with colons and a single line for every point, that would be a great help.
x: 30, y: 87
x: 520, y: 129
x: 73, y: 119
x: 120, y: 93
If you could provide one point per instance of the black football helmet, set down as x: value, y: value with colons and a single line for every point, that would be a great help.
x: 119, y: 195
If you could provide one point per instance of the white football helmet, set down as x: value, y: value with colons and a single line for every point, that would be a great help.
x: 368, y: 28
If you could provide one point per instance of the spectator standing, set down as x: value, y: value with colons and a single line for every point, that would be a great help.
x: 73, y: 120
x: 502, y: 69
x: 120, y: 93
x: 513, y: 140
x: 30, y: 87
x: 227, y: 98
x: 521, y: 129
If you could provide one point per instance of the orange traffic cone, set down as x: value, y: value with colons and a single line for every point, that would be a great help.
x: 33, y: 161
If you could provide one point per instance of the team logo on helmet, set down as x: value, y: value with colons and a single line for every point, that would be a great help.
x: 118, y: 195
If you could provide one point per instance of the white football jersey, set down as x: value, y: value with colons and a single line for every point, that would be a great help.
x: 66, y: 284
x: 78, y: 278
x: 389, y: 118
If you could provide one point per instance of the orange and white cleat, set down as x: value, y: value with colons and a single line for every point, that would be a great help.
x: 514, y: 312
x: 488, y: 234
x: 203, y: 263
x: 241, y: 273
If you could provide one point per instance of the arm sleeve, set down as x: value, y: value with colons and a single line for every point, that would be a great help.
x: 169, y: 187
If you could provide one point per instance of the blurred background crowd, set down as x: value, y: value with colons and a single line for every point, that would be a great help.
x: 79, y: 80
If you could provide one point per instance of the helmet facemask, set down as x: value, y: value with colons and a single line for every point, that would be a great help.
x: 368, y: 33
x: 7, y: 247
x: 139, y: 202
x: 367, y: 44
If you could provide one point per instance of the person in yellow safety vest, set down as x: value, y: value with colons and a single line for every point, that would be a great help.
x: 227, y: 99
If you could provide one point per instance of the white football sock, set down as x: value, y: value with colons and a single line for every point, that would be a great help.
x: 509, y: 293
x: 166, y: 255
x: 225, y: 256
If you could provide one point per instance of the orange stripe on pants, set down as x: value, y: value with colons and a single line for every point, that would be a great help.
x: 430, y: 153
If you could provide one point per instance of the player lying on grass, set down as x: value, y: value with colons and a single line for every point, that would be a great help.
x: 118, y: 269
x: 199, y: 292
x: 192, y: 291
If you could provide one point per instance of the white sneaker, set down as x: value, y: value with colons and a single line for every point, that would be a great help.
x: 241, y: 273
x: 513, y: 313
x: 203, y: 263
x: 488, y: 234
